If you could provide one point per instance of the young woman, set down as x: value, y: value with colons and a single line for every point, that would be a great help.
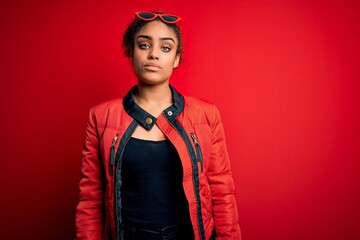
x: 155, y: 164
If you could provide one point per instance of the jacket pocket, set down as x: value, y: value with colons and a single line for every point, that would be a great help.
x: 198, y: 151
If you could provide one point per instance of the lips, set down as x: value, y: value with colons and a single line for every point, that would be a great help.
x: 152, y: 67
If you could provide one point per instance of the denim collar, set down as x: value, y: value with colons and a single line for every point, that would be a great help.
x: 144, y: 118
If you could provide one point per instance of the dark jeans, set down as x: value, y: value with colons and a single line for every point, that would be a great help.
x: 175, y: 232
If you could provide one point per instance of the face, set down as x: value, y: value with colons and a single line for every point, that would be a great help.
x: 154, y: 56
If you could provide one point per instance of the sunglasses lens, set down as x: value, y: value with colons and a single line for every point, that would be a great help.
x: 146, y: 15
x: 170, y: 18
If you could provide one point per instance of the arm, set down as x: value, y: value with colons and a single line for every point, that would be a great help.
x: 222, y: 186
x: 89, y: 212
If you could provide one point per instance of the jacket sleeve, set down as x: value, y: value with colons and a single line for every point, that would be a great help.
x: 89, y: 212
x: 222, y: 186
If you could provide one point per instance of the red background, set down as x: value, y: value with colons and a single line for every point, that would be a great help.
x: 285, y: 75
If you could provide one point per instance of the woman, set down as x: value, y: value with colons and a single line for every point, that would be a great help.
x: 155, y: 164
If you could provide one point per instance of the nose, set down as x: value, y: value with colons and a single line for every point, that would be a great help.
x: 153, y: 54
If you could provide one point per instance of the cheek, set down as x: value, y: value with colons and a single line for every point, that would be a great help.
x: 170, y: 61
x: 136, y: 66
x: 136, y: 60
x: 138, y: 55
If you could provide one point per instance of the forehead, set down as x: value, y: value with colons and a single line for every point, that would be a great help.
x: 156, y: 30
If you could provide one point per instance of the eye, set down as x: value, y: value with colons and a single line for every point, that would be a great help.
x: 144, y: 46
x: 165, y: 49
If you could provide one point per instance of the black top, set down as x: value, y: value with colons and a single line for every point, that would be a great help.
x: 152, y: 193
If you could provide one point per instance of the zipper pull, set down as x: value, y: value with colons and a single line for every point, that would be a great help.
x: 114, y: 141
x: 194, y: 138
x: 198, y: 151
x: 112, y: 154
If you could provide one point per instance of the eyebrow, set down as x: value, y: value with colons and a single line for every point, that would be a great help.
x: 150, y: 38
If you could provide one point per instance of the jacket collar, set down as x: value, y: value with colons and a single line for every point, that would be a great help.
x: 144, y: 118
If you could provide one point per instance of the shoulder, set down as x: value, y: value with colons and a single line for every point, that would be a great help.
x: 201, y: 109
x: 107, y: 113
x: 107, y: 106
x: 197, y: 102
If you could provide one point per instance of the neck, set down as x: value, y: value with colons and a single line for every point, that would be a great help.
x: 159, y: 94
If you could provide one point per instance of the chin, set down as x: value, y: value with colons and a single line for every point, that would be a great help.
x: 152, y: 80
x: 152, y: 83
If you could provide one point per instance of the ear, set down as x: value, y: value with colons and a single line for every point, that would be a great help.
x: 177, y: 60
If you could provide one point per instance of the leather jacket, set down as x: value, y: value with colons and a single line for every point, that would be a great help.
x: 195, y: 129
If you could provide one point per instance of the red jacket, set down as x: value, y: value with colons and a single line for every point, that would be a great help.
x: 194, y: 127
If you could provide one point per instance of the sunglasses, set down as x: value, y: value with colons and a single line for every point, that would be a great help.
x: 149, y: 16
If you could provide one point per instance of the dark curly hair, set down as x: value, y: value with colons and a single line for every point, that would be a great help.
x: 135, y: 26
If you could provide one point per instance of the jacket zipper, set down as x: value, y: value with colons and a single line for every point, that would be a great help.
x: 116, y: 174
x: 112, y: 154
x: 116, y: 195
x: 195, y: 187
x: 198, y: 151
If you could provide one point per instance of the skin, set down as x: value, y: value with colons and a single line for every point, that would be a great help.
x: 154, y: 59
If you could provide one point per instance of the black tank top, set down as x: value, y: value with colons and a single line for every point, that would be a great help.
x: 152, y: 194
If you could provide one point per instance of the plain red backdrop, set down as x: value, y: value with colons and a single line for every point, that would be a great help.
x: 285, y: 75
